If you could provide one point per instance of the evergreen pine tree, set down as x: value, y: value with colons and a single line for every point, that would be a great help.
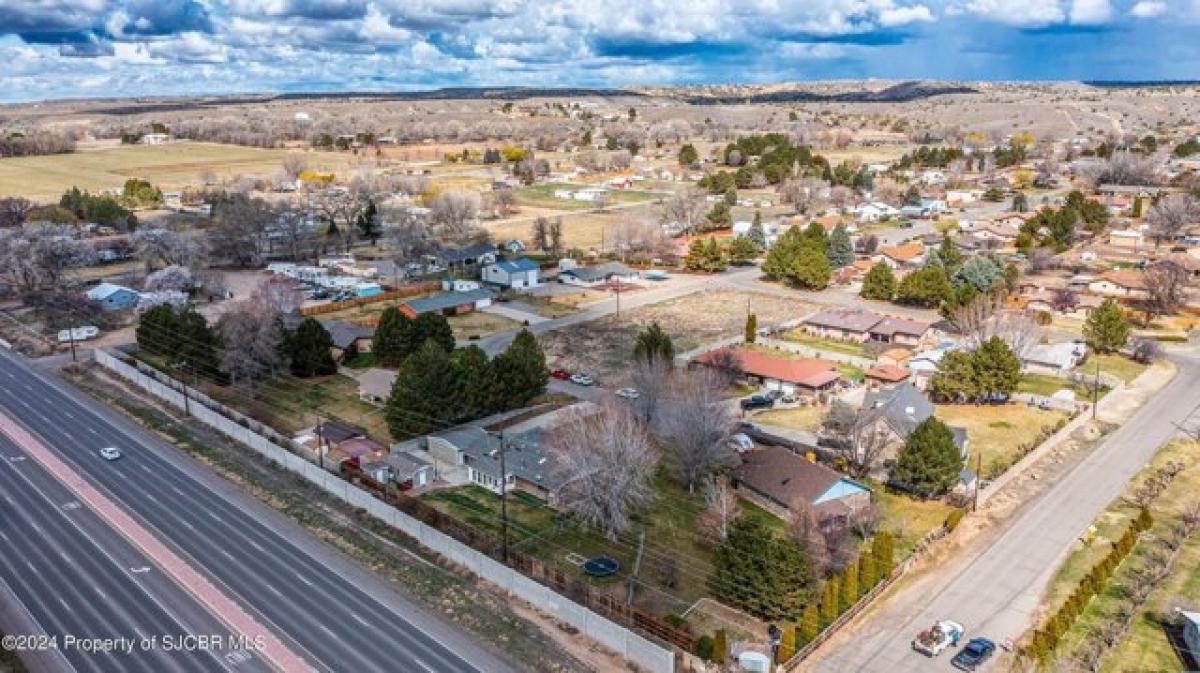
x: 761, y: 573
x: 720, y: 647
x: 751, y: 328
x: 830, y: 600
x: 883, y: 548
x: 997, y: 368
x: 929, y: 460
x: 520, y: 371
x: 310, y: 350
x: 431, y: 326
x: 849, y: 586
x: 787, y: 643
x: 866, y: 572
x: 393, y: 338
x: 810, y: 269
x: 652, y: 345
x: 810, y: 625
x: 879, y: 283
x: 841, y: 249
x: 1107, y: 327
x: 757, y: 233
x: 158, y: 330
x: 424, y: 395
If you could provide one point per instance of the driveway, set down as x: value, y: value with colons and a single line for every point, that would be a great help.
x: 995, y: 591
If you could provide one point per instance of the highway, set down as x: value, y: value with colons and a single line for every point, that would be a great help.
x: 77, y: 577
x: 335, y: 614
x: 995, y: 592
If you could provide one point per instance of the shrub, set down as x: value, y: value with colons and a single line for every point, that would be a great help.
x: 704, y: 648
x: 953, y: 519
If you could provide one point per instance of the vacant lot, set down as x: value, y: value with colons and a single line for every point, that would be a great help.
x: 909, y: 519
x: 478, y: 324
x: 107, y: 165
x: 1116, y: 365
x: 602, y: 347
x: 582, y: 229
x: 799, y: 418
x: 1002, y: 433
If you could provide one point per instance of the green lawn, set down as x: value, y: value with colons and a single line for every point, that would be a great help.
x: 798, y: 335
x: 1046, y: 385
x: 677, y: 560
x: 1116, y: 365
x: 909, y: 519
x: 296, y: 401
x: 542, y: 195
x: 1002, y: 433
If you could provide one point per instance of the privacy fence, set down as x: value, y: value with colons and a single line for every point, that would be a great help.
x: 553, y: 589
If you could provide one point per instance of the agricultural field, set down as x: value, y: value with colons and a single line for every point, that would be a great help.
x: 105, y: 165
x: 1146, y: 646
x: 582, y: 229
x: 602, y: 346
x: 1001, y: 433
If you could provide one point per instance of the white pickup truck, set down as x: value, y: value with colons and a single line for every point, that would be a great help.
x: 938, y: 637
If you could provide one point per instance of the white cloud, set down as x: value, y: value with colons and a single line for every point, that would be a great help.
x: 1091, y: 12
x: 1148, y: 9
x: 1018, y: 12
x: 900, y: 16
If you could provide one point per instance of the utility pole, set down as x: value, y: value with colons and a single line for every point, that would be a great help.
x: 637, y: 566
x: 618, y: 287
x: 504, y: 500
x: 978, y: 476
x: 320, y: 441
x: 1096, y: 390
x: 71, y: 338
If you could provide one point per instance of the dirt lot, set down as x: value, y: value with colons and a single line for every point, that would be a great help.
x: 602, y: 347
x: 1002, y: 433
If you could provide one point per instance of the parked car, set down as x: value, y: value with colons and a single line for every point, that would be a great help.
x: 773, y: 395
x: 974, y: 654
x: 757, y: 402
x: 790, y: 399
x: 583, y: 379
x: 932, y: 641
x: 560, y: 374
x: 741, y: 442
x: 628, y: 393
x: 110, y: 453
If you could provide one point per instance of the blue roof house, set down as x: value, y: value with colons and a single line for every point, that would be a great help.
x: 114, y: 297
x: 516, y: 274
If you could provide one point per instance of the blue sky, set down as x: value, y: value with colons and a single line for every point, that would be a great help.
x: 100, y: 48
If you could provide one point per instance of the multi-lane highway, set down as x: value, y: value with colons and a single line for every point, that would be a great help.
x: 77, y: 578
x: 327, y: 609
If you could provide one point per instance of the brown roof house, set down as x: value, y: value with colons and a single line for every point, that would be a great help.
x: 858, y: 325
x: 1129, y: 283
x: 787, y: 484
x: 905, y: 256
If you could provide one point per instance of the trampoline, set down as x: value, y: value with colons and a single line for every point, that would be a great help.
x: 601, y: 566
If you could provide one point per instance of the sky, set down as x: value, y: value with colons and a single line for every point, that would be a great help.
x: 116, y: 48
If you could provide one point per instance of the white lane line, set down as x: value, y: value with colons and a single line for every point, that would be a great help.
x: 423, y: 664
x: 272, y: 589
x: 300, y: 577
x: 360, y: 620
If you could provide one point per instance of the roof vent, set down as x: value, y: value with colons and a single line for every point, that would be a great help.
x: 910, y: 410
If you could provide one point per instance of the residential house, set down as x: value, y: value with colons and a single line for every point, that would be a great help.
x: 896, y: 357
x: 1127, y: 239
x: 874, y: 211
x: 375, y: 385
x: 785, y: 374
x: 596, y: 275
x: 1056, y: 358
x: 114, y: 297
x: 886, y: 374
x: 517, y: 274
x: 788, y: 484
x: 844, y: 324
x: 859, y: 325
x: 528, y: 466
x: 909, y: 255
x: 1003, y: 234
x: 1125, y: 283
x: 348, y: 336
x: 924, y: 364
x: 468, y: 258
x: 448, y: 303
x: 406, y: 470
x: 898, y: 410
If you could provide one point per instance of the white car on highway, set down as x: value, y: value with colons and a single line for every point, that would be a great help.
x: 110, y: 453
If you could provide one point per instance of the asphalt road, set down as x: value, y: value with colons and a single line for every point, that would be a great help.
x: 78, y: 578
x: 334, y: 613
x: 996, y: 593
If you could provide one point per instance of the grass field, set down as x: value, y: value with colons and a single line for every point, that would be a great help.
x: 101, y: 166
x: 479, y: 324
x: 1145, y: 646
x: 677, y: 561
x: 543, y: 195
x: 1116, y: 365
x: 1046, y: 385
x: 798, y: 335
x: 1002, y: 433
x: 907, y: 518
x: 583, y: 230
x: 799, y: 418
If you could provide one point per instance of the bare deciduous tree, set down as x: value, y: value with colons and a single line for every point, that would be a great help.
x: 33, y: 257
x: 857, y: 434
x: 172, y: 278
x: 608, y: 461
x: 1166, y: 287
x: 805, y: 531
x: 1169, y: 217
x: 721, y: 509
x: 651, y: 379
x: 456, y: 213
x: 409, y: 238
x: 250, y: 339
x: 684, y: 211
x: 695, y: 424
x: 239, y: 236
x: 292, y: 165
x: 1126, y: 168
x: 13, y: 211
x: 640, y: 239
x: 277, y: 295
x: 804, y: 194
x: 166, y: 247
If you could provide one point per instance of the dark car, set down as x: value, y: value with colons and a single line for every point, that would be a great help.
x: 974, y: 654
x: 757, y: 402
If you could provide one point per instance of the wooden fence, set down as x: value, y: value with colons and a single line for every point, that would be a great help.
x: 565, y: 581
x: 399, y: 293
x: 861, y: 604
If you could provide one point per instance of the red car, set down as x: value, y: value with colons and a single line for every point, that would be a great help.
x: 561, y: 374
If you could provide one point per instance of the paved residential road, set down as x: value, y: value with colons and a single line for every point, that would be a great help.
x: 326, y: 608
x: 996, y: 593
